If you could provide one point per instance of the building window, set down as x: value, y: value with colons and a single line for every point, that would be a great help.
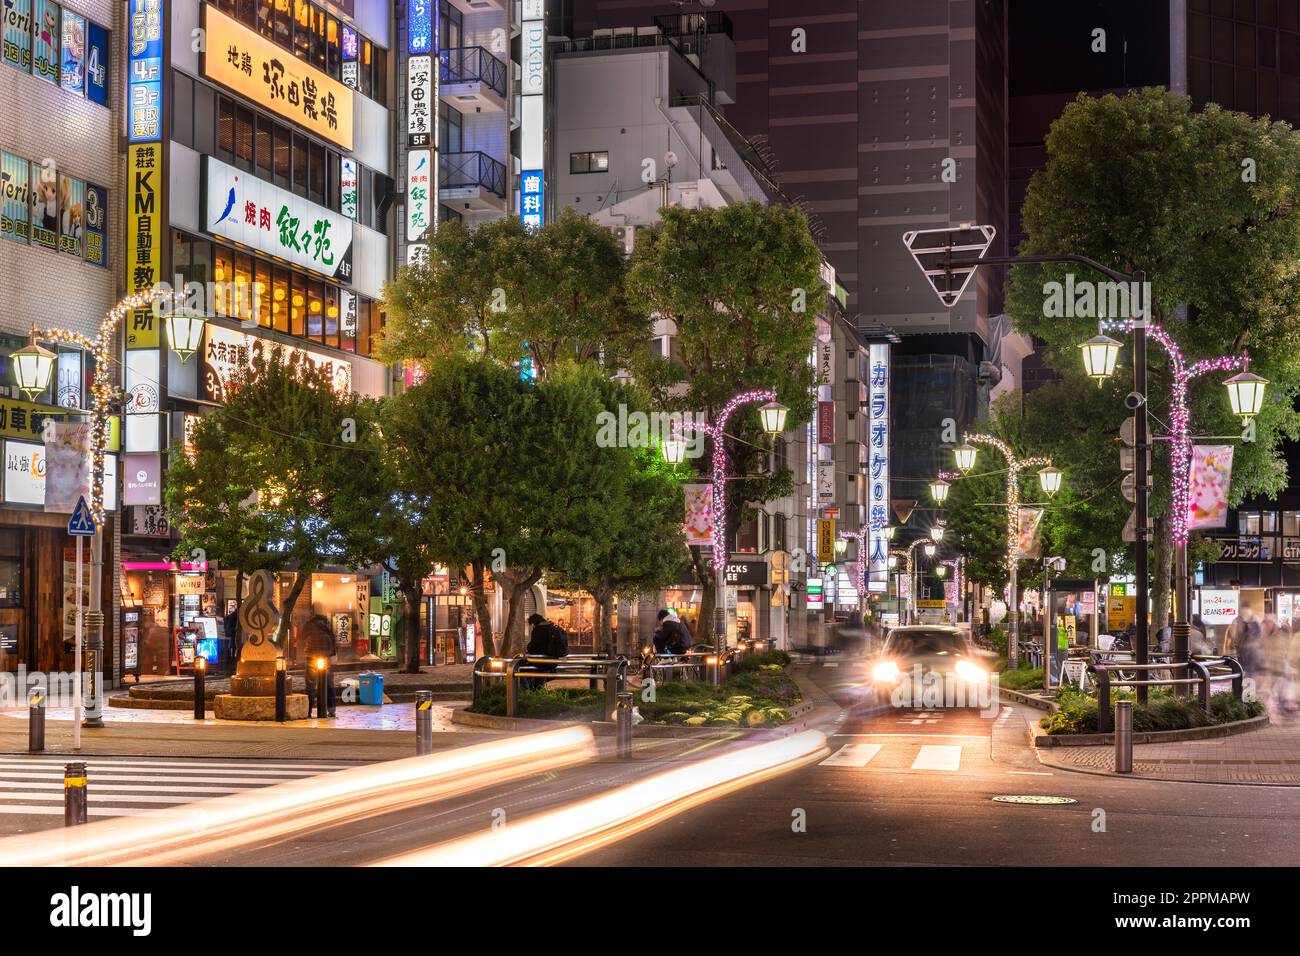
x: 589, y: 162
x: 226, y: 128
x: 367, y: 64
x: 284, y: 24
x: 449, y: 129
x: 302, y: 29
x: 1248, y: 523
x: 1270, y: 522
x: 1291, y: 524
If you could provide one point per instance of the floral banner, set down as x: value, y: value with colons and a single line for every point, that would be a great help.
x: 699, y: 514
x: 1208, y: 486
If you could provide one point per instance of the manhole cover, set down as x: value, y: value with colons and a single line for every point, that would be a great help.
x: 1032, y: 798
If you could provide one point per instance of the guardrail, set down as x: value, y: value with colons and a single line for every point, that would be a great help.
x: 703, y: 665
x: 612, y: 671
x: 1199, y: 667
x: 467, y: 64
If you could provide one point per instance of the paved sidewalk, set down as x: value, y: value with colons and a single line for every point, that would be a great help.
x: 1270, y: 755
x: 357, y: 733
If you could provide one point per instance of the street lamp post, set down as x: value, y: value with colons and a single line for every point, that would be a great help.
x: 772, y: 415
x: 1050, y: 480
x: 33, y: 371
x: 1246, y: 395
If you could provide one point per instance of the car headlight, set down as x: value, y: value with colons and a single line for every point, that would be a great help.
x: 971, y: 672
x: 886, y: 672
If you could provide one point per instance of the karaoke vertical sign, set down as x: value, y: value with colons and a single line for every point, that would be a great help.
x: 878, y: 469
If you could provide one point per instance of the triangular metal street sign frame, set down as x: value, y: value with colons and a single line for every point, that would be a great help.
x: 82, y: 523
x: 934, y: 250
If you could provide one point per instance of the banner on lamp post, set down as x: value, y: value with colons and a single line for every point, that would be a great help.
x: 699, y: 514
x: 1029, y: 545
x: 1207, y: 488
x: 67, y: 466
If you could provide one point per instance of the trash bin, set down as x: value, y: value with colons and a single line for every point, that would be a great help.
x: 372, y: 689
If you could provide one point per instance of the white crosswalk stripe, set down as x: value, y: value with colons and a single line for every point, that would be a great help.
x: 131, y: 785
x: 896, y: 753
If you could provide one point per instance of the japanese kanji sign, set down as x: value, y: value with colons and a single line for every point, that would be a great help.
x: 878, y: 468
x: 251, y: 211
x: 253, y: 66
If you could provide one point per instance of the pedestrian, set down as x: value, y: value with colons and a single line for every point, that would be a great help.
x: 318, y: 638
x: 1197, y: 640
x: 233, y: 635
x: 546, y: 640
x: 672, y: 636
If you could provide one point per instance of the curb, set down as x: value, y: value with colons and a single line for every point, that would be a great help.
x: 1016, y: 697
x: 606, y: 728
x: 1042, y: 739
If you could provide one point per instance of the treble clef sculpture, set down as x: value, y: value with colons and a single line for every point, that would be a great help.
x: 258, y: 617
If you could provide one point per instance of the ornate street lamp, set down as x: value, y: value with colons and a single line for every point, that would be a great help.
x: 1246, y: 393
x: 940, y: 571
x: 773, y: 416
x: 674, y: 450
x: 1050, y: 480
x: 893, y: 561
x: 33, y: 366
x: 1099, y: 355
x: 937, y: 533
x: 930, y: 549
x: 185, y: 333
x: 939, y: 490
x: 841, y: 546
x: 965, y: 453
x: 887, y: 532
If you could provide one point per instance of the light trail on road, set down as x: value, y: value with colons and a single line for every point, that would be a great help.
x: 568, y: 832
x: 261, y: 816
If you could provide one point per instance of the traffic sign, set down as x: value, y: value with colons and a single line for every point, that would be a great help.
x: 1130, y: 527
x: 1128, y: 459
x: 934, y: 250
x: 1126, y: 432
x: 81, y: 524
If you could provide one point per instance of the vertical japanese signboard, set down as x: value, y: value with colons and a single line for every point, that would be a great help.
x: 878, y: 469
x: 532, y: 199
x: 422, y: 74
x: 532, y: 121
x: 144, y: 77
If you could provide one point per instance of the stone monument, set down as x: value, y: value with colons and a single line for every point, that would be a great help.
x: 252, y: 689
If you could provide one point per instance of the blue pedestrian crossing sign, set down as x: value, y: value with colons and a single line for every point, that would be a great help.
x: 81, y: 523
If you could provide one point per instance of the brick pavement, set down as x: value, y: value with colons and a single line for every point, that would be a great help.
x: 1270, y: 755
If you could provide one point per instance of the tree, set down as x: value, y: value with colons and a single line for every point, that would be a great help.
x: 1205, y: 203
x: 461, y: 448
x: 456, y: 302
x: 506, y: 293
x: 255, y: 494
x: 741, y: 286
x: 379, y: 515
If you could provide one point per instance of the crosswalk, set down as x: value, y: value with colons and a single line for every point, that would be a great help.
x: 126, y: 786
x: 896, y: 754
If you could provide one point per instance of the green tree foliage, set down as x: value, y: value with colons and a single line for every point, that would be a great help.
x: 1204, y: 202
x: 742, y: 286
x: 256, y: 493
x: 503, y: 292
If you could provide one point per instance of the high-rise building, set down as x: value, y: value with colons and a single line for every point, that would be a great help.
x: 61, y: 255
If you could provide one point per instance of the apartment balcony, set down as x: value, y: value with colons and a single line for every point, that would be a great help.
x: 472, y: 80
x: 472, y: 182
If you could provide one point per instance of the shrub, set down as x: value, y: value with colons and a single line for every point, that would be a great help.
x: 763, y: 661
x: 545, y: 704
x: 1225, y: 708
x: 1021, y: 678
x: 998, y: 641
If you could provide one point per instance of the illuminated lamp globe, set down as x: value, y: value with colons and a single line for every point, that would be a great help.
x: 674, y: 451
x: 1246, y: 393
x: 939, y: 490
x: 1050, y: 480
x: 33, y: 366
x: 965, y: 454
x: 930, y: 550
x: 185, y: 333
x: 773, y: 416
x: 937, y: 532
x: 1099, y: 355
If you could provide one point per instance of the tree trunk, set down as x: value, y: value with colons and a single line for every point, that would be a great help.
x: 411, y: 626
x: 286, y: 613
x: 602, y: 596
x: 1161, y: 571
x: 609, y: 635
x: 514, y: 618
x: 708, y: 595
x: 481, y: 610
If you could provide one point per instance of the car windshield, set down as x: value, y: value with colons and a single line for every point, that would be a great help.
x: 916, y: 643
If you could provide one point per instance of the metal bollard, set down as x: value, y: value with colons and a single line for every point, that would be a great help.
x: 423, y: 722
x: 74, y: 794
x: 1124, y: 736
x: 200, y: 689
x: 623, y: 726
x: 36, y: 721
x: 281, y: 690
x: 322, y: 688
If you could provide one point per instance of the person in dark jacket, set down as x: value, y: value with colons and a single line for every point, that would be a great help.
x: 671, y: 636
x: 545, y: 640
x: 234, y: 637
x: 318, y: 641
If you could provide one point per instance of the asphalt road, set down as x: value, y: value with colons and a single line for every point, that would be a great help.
x: 916, y: 787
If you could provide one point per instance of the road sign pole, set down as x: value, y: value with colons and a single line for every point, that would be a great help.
x: 76, y: 654
x: 1140, y: 442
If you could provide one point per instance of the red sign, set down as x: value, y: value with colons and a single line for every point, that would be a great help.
x: 826, y: 423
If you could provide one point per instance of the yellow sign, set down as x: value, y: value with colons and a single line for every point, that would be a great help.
x: 142, y: 330
x: 26, y: 420
x: 932, y: 605
x: 825, y: 540
x: 144, y: 227
x: 1120, y: 613
x: 247, y: 63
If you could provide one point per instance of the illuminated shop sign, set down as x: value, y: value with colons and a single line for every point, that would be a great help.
x: 259, y: 70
